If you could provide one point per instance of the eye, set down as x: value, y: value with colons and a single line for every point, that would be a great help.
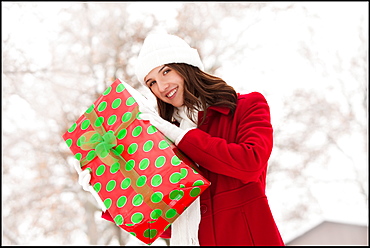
x: 150, y: 84
x: 166, y: 71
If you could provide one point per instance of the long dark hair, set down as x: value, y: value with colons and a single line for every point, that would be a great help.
x: 201, y: 90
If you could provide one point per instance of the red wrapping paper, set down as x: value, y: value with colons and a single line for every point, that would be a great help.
x: 144, y: 181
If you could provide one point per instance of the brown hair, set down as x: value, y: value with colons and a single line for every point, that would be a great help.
x: 201, y: 90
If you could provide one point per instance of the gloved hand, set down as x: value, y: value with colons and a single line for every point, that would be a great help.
x: 171, y: 131
x: 139, y: 98
x: 84, y: 178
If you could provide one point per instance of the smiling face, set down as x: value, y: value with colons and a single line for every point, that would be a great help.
x: 166, y: 84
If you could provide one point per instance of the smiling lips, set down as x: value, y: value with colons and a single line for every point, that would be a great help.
x: 172, y: 93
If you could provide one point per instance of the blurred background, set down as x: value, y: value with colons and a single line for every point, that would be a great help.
x: 309, y: 59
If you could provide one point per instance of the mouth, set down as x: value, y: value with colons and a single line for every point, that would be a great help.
x: 172, y: 93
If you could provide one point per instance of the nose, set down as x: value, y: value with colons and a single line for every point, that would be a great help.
x: 162, y: 85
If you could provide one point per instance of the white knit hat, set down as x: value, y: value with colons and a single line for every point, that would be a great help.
x: 159, y: 49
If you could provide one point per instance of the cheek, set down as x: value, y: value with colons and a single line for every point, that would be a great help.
x: 154, y: 91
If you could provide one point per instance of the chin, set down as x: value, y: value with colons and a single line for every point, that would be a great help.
x: 177, y: 105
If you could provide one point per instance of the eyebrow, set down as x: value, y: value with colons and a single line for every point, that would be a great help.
x: 157, y: 73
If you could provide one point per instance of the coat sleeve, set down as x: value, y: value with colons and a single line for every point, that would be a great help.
x: 247, y: 157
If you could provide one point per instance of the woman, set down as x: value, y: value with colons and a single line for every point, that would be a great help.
x: 228, y: 135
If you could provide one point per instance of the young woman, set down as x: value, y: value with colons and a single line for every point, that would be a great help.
x: 228, y: 135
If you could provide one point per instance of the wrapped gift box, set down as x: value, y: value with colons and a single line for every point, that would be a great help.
x: 144, y: 181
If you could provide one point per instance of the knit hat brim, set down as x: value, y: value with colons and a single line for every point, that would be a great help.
x: 148, y: 60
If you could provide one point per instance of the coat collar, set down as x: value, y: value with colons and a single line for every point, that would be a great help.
x: 220, y: 109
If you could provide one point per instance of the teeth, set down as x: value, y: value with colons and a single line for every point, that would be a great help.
x: 172, y: 93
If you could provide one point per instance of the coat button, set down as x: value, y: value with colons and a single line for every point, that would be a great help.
x: 203, y: 209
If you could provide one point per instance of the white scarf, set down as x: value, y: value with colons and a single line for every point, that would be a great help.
x: 185, y: 227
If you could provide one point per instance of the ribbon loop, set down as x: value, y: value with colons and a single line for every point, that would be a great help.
x: 90, y: 140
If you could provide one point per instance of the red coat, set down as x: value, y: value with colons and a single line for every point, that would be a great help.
x: 232, y: 152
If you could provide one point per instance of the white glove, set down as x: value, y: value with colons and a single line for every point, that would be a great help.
x: 139, y: 98
x: 171, y: 131
x: 84, y: 178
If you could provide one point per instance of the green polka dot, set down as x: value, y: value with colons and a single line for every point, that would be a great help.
x: 130, y: 165
x: 111, y: 185
x: 81, y: 140
x: 138, y: 116
x: 102, y: 106
x: 97, y: 187
x: 121, y: 134
x: 163, y: 144
x: 120, y: 148
x: 126, y: 117
x: 120, y: 88
x: 85, y: 124
x: 167, y: 226
x: 171, y: 213
x: 156, y: 197
x: 155, y: 214
x: 194, y: 192
x: 176, y: 194
x: 144, y: 163
x: 69, y: 142
x: 198, y: 183
x: 90, y: 109
x: 114, y: 168
x: 108, y: 203
x: 132, y: 233
x: 118, y: 219
x: 137, y: 217
x: 150, y: 233
x: 151, y: 129
x: 137, y: 200
x: 159, y: 162
x: 148, y: 146
x: 121, y: 201
x: 130, y: 101
x: 141, y: 181
x: 78, y: 156
x: 112, y: 119
x: 125, y: 183
x: 156, y: 180
x: 132, y: 148
x: 183, y: 172
x: 99, y: 121
x: 90, y: 155
x: 100, y: 170
x: 175, y: 160
x: 116, y: 103
x: 175, y: 177
x: 137, y: 131
x: 72, y: 128
x: 107, y: 91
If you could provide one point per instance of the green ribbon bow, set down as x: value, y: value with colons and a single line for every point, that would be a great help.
x: 101, y: 141
x: 102, y: 144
